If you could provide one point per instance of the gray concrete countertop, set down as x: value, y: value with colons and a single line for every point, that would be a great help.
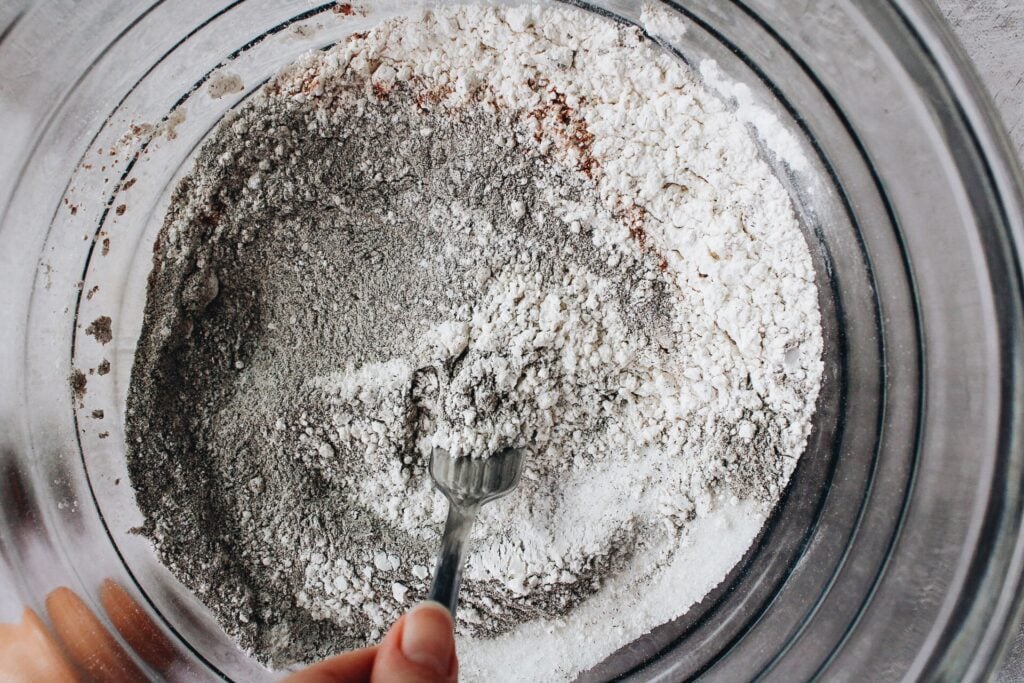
x: 992, y: 33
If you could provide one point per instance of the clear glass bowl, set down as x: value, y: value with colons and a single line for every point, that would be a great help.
x: 896, y: 551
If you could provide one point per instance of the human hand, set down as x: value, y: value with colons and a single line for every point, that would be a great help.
x: 419, y: 648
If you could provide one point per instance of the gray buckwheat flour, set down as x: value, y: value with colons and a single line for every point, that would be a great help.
x: 473, y: 228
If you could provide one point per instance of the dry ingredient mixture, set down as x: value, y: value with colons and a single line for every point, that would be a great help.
x: 472, y: 228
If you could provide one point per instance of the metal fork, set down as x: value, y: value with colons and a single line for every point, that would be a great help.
x: 468, y: 484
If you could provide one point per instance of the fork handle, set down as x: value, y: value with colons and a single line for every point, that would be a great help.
x: 448, y: 571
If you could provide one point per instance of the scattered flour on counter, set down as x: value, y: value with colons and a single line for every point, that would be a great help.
x: 475, y: 228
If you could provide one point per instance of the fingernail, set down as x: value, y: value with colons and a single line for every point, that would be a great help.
x: 427, y: 637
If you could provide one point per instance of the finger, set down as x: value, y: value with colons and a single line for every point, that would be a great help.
x: 136, y: 627
x: 29, y: 653
x: 419, y: 648
x: 87, y: 641
x: 350, y: 667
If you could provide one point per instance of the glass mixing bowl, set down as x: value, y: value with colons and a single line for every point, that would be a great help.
x: 896, y: 551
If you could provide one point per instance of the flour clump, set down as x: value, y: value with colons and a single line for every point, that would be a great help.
x: 420, y: 239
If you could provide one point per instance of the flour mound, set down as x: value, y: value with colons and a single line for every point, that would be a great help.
x: 473, y: 229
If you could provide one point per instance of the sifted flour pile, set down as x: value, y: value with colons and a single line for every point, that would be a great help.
x: 472, y: 228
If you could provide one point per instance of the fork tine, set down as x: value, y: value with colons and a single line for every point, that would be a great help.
x: 491, y: 475
x: 476, y: 480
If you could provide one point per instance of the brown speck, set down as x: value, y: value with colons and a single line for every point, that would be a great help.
x: 106, y: 246
x: 569, y: 129
x: 425, y: 99
x: 100, y: 328
x: 171, y: 123
x: 635, y: 216
x: 104, y: 435
x: 344, y: 9
x: 128, y: 183
x: 141, y: 130
x: 78, y: 380
x: 97, y: 414
x: 224, y: 84
x: 745, y: 229
x: 92, y: 291
x: 117, y: 482
x: 120, y: 209
x: 104, y: 367
x: 74, y: 209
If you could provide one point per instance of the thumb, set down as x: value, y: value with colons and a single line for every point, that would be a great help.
x: 419, y: 648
